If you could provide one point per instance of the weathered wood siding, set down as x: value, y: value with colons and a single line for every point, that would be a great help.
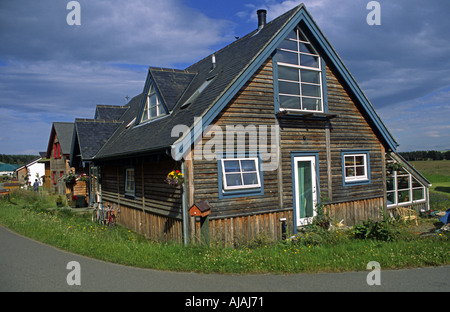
x: 155, y: 210
x: 352, y: 212
x: 351, y: 131
x: 254, y: 105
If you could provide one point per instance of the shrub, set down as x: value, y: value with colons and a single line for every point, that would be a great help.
x: 379, y: 230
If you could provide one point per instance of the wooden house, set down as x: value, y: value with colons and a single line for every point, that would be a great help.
x: 264, y: 130
x: 58, y: 152
x: 31, y: 171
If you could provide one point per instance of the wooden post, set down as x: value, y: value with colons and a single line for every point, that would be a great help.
x: 204, y: 230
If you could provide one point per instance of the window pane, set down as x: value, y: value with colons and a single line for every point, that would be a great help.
x: 403, y: 196
x: 360, y: 171
x: 390, y: 183
x: 311, y: 104
x: 310, y: 76
x: 403, y: 182
x: 152, y: 111
x: 415, y: 183
x: 152, y: 100
x: 233, y: 179
x: 293, y: 34
x: 359, y: 160
x: 289, y: 45
x: 161, y: 110
x: 349, y: 172
x: 289, y: 87
x: 391, y: 198
x: 290, y: 102
x: 248, y: 165
x: 288, y: 73
x: 250, y: 178
x: 287, y: 57
x: 310, y: 90
x: 309, y: 60
x: 418, y: 194
x: 304, y: 47
x: 145, y: 113
x: 349, y: 160
x: 231, y: 166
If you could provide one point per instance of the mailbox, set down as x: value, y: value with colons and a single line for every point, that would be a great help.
x: 200, y: 209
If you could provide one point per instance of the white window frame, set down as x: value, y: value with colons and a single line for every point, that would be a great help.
x: 395, y: 175
x: 356, y: 178
x: 160, y: 111
x: 299, y: 68
x: 242, y: 186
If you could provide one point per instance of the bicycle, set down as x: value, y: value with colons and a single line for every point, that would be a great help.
x: 110, y: 216
x: 98, y: 215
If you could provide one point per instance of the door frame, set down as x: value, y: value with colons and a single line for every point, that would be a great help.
x: 295, y: 157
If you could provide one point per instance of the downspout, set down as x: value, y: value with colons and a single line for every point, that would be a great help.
x: 184, y: 206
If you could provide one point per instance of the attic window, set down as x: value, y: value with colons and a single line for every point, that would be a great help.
x: 194, y: 96
x: 299, y: 74
x: 153, y: 107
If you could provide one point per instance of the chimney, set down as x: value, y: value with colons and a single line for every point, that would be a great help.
x: 261, y: 18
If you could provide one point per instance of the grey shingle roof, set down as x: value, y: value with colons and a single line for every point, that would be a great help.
x: 92, y: 134
x: 109, y: 112
x: 231, y: 61
x: 234, y: 64
x: 64, y: 131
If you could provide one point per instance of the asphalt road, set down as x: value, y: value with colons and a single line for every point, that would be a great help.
x: 30, y: 266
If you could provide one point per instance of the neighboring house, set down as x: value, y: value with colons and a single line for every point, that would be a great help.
x: 35, y: 171
x: 58, y: 151
x: 7, y: 169
x: 89, y: 136
x: 47, y: 177
x: 263, y: 130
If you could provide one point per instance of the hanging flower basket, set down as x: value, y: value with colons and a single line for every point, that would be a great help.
x: 70, y: 178
x: 175, y: 178
x: 83, y: 177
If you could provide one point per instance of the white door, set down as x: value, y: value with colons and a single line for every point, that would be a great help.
x: 305, y: 189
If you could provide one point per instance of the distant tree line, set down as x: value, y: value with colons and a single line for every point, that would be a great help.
x: 17, y: 159
x: 425, y: 155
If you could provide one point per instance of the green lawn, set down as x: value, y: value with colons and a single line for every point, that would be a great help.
x: 317, y: 250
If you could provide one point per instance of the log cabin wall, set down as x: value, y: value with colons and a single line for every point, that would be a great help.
x: 155, y: 210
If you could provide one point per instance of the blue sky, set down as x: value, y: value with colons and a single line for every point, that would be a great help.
x: 50, y: 71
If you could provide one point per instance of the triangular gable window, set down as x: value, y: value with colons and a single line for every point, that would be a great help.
x: 153, y: 107
x: 299, y: 74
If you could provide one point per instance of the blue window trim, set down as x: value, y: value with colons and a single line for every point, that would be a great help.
x: 243, y: 192
x: 125, y: 193
x: 352, y: 152
x: 294, y: 202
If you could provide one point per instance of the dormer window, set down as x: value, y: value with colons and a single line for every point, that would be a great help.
x: 299, y: 74
x: 153, y: 107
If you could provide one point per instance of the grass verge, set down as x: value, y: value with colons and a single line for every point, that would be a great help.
x: 315, y: 251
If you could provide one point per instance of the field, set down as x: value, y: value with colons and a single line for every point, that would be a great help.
x: 438, y: 173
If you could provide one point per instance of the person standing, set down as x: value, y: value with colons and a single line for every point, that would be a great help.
x: 36, y: 185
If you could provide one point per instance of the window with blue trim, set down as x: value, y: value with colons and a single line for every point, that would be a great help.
x: 355, y: 167
x: 299, y: 69
x: 240, y: 177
